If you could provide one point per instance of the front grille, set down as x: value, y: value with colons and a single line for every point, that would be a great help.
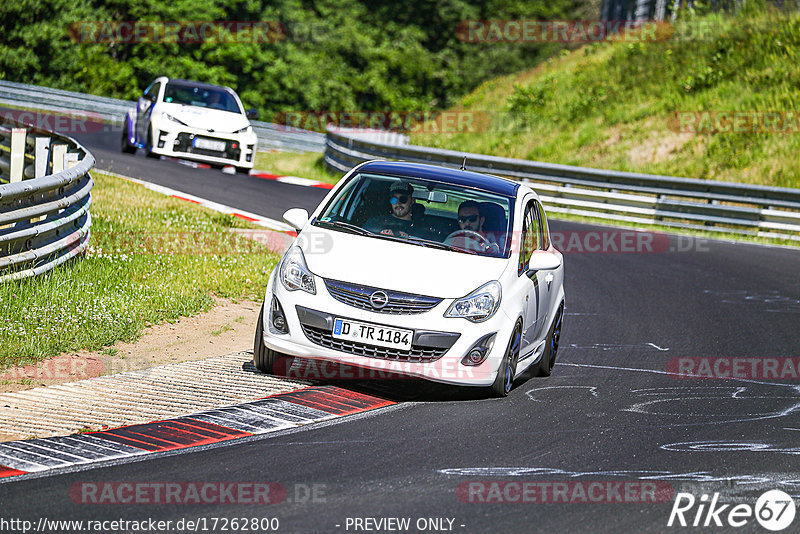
x: 184, y: 144
x: 358, y: 296
x: 416, y: 354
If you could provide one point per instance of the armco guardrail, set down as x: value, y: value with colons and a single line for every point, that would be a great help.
x: 44, y: 201
x: 112, y: 110
x: 612, y: 195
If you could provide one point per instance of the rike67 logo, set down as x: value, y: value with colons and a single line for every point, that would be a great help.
x: 774, y: 510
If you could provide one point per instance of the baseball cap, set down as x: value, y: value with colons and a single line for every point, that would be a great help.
x: 401, y: 187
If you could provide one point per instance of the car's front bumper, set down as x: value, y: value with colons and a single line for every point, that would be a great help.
x: 175, y: 140
x: 310, y: 318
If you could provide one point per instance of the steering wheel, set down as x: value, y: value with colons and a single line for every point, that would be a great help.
x: 461, y: 238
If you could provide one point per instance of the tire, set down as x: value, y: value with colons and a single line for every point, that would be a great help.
x: 505, y: 375
x: 548, y: 359
x: 263, y: 358
x: 243, y: 170
x: 125, y: 146
x: 148, y: 146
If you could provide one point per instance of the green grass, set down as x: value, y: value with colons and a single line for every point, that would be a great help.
x: 152, y: 259
x: 613, y: 105
x: 304, y: 164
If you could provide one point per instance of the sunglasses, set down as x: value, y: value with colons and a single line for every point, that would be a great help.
x: 402, y: 199
x: 471, y: 218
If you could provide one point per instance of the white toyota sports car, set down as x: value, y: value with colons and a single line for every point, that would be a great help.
x: 443, y: 274
x: 191, y: 120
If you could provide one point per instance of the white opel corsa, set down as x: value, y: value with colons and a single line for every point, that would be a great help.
x: 191, y: 120
x: 422, y: 271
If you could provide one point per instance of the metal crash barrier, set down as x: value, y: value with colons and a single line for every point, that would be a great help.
x: 44, y: 200
x: 627, y: 197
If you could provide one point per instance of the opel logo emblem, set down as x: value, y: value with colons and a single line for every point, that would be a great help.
x: 379, y: 299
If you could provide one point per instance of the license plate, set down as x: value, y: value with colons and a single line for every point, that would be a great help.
x: 372, y: 334
x: 209, y: 144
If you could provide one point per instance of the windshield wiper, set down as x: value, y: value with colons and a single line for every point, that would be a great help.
x: 341, y: 225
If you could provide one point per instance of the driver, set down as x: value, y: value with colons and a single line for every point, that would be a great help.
x: 471, y: 219
x: 400, y: 222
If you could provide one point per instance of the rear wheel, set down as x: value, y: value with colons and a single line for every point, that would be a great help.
x: 125, y: 143
x: 505, y: 375
x: 551, y: 345
x: 263, y: 357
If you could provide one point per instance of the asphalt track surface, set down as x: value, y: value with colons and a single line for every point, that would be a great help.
x: 608, y: 413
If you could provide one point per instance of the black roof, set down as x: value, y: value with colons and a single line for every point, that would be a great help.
x: 487, y: 182
x: 201, y: 85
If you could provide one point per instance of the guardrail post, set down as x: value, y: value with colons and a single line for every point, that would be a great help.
x: 70, y: 160
x: 41, y: 157
x: 17, y: 158
x: 58, y: 153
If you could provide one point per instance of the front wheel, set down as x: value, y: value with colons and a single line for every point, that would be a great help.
x: 148, y: 146
x: 548, y: 359
x: 263, y: 357
x: 508, y: 368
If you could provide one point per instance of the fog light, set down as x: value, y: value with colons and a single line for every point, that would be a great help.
x: 278, y: 319
x: 476, y: 356
x: 479, y: 351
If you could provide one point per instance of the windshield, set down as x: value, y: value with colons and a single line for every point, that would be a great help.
x: 204, y: 97
x: 423, y: 213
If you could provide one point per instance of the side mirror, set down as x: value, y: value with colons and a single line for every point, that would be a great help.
x: 544, y: 261
x: 296, y: 218
x: 251, y: 113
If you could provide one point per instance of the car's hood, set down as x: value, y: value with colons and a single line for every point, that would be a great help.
x: 391, y: 265
x: 206, y: 119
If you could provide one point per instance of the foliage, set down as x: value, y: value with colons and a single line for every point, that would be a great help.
x: 324, y: 55
x: 619, y: 104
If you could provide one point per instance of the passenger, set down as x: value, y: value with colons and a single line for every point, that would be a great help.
x: 400, y: 221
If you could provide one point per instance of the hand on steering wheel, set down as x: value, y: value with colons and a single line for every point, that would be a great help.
x: 466, y: 236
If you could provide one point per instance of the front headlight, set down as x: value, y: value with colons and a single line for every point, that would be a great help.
x: 246, y: 129
x: 479, y: 305
x: 295, y: 274
x: 171, y: 118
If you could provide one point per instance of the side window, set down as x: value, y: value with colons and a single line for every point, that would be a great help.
x: 531, y: 235
x: 151, y: 93
x: 544, y: 230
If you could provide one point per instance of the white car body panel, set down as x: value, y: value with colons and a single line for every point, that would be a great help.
x: 389, y: 267
x: 147, y: 123
x: 424, y: 271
